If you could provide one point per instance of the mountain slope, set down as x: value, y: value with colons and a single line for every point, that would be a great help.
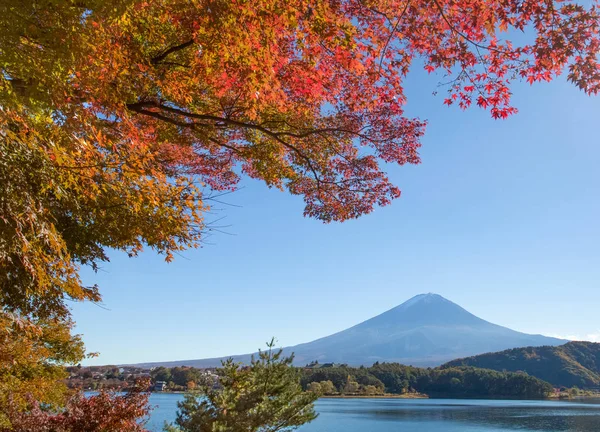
x: 426, y: 330
x: 572, y: 364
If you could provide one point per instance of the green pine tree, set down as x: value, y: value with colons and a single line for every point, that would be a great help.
x: 263, y: 397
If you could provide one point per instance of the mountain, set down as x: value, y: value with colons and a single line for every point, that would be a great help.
x: 572, y: 364
x: 426, y: 330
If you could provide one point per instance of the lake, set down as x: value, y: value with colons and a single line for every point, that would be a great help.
x: 429, y: 415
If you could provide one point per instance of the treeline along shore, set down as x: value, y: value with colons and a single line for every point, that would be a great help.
x: 381, y: 379
x: 397, y: 379
x: 570, y: 370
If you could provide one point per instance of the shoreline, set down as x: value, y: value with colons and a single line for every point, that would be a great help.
x: 383, y: 396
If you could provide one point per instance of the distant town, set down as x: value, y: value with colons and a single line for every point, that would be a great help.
x: 122, y: 377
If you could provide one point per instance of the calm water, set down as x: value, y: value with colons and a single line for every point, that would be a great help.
x: 429, y: 415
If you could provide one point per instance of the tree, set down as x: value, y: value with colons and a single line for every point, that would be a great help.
x: 405, y: 386
x: 182, y: 375
x: 114, y: 373
x: 327, y: 387
x: 161, y: 373
x: 315, y: 387
x: 32, y: 357
x: 118, y: 120
x: 104, y: 412
x: 370, y: 390
x: 265, y: 396
x: 351, y: 387
x: 289, y: 90
x: 61, y: 204
x: 455, y: 382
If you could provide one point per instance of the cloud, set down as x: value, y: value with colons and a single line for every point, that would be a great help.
x: 590, y: 337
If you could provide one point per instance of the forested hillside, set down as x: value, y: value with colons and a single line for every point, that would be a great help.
x: 568, y: 365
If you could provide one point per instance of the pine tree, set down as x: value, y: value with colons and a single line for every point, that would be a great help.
x: 263, y: 397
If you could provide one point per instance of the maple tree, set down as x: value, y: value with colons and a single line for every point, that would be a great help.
x: 117, y: 117
x: 102, y: 412
x: 288, y: 90
x: 61, y: 205
x: 32, y: 356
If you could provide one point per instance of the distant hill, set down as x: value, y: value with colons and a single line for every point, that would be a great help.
x: 572, y: 364
x: 426, y: 330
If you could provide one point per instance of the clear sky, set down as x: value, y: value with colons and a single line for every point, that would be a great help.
x: 501, y: 217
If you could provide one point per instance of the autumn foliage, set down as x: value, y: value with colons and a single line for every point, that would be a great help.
x: 32, y: 355
x: 103, y: 412
x: 305, y: 95
x: 117, y: 118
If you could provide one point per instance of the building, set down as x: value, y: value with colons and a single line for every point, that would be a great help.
x: 160, y: 385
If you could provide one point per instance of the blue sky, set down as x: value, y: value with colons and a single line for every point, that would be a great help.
x: 501, y: 217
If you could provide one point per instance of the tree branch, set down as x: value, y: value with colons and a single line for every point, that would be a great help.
x: 158, y: 58
x: 139, y: 108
